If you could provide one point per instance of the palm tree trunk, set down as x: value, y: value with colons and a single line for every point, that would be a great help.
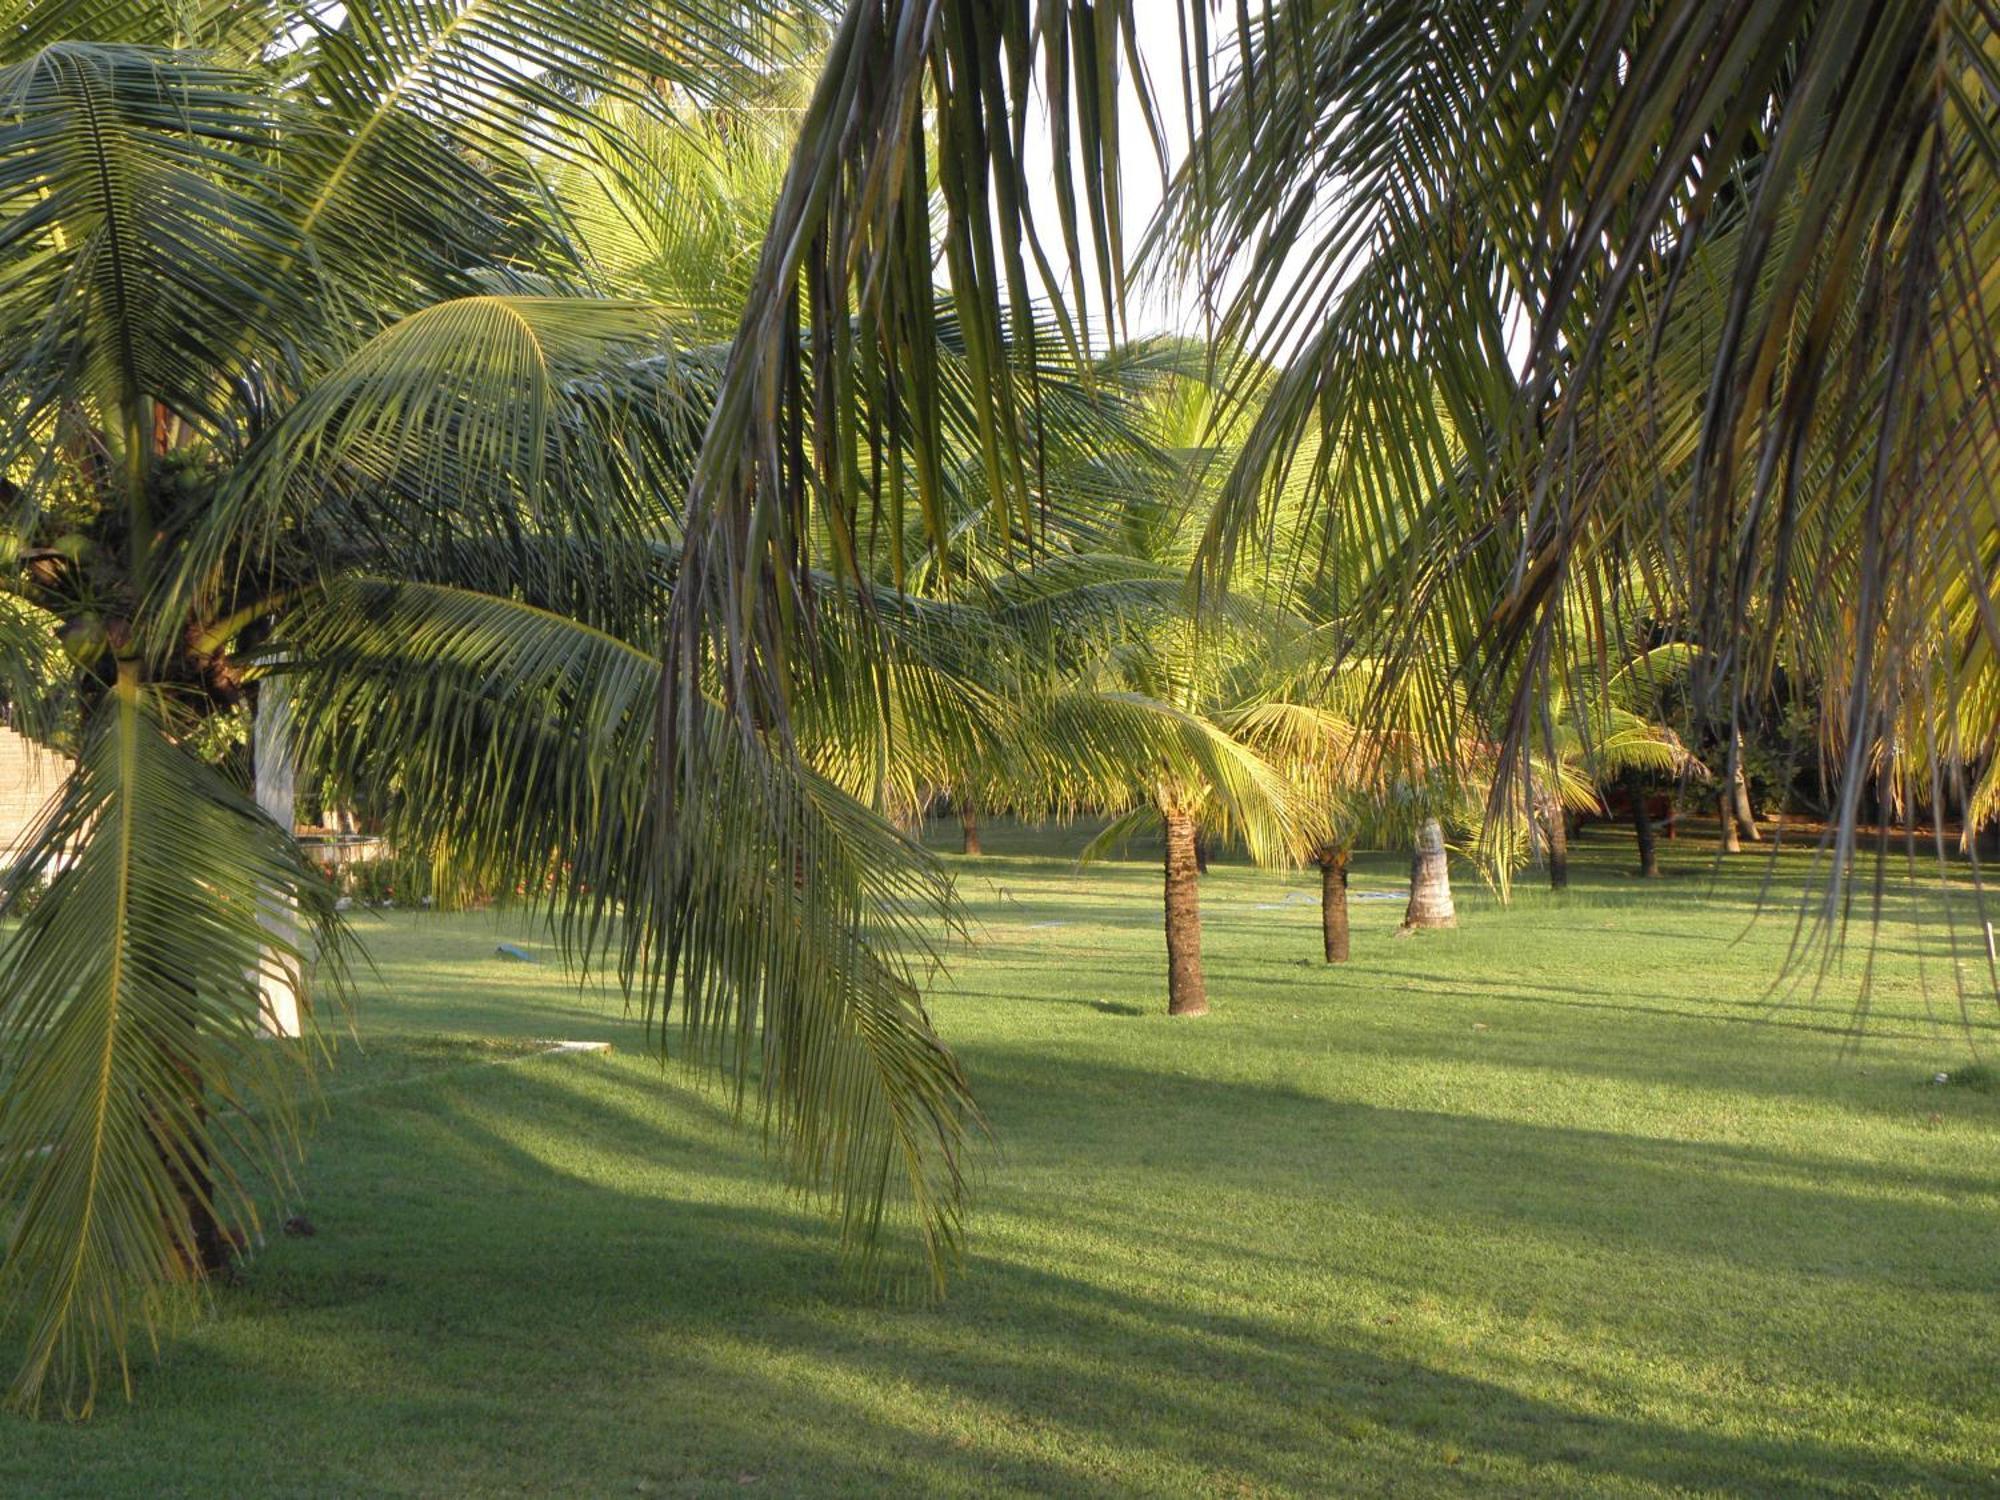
x: 1558, y: 825
x: 1333, y: 902
x: 1547, y: 831
x: 1200, y: 854
x: 1430, y: 881
x: 1187, y: 991
x: 209, y: 1246
x: 1642, y: 829
x: 1726, y: 809
x: 1739, y: 797
x: 968, y: 826
x: 278, y: 978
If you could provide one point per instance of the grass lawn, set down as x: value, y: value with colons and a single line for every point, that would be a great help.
x: 1558, y: 1203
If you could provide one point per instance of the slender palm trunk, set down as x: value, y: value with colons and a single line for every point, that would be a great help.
x: 1726, y: 811
x: 278, y: 977
x: 1642, y: 829
x: 1333, y: 902
x: 1187, y: 991
x: 1430, y: 881
x: 1550, y: 835
x: 209, y: 1246
x: 1739, y: 797
x: 1200, y: 854
x: 1558, y: 826
x: 968, y: 826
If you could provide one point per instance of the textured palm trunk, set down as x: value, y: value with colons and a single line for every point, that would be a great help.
x: 1726, y: 811
x: 968, y: 827
x: 1187, y: 992
x: 1642, y: 829
x: 210, y: 1247
x: 1739, y: 798
x: 1333, y: 903
x: 1558, y: 826
x: 1430, y: 881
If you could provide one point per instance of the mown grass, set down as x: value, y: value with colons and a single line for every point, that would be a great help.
x: 1564, y: 1202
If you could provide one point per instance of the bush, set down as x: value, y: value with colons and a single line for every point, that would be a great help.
x: 408, y: 880
x: 25, y: 896
x: 1975, y: 1076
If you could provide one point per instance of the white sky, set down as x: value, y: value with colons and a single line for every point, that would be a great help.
x: 1150, y: 310
x: 1152, y: 307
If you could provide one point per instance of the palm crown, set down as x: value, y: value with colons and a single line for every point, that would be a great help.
x: 309, y: 392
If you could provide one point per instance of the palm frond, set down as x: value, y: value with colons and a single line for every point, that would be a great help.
x: 143, y: 1091
x: 140, y: 217
x: 521, y: 745
x: 482, y: 424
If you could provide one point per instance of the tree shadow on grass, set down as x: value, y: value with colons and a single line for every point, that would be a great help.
x: 1703, y: 1197
x: 565, y: 1278
x: 1824, y: 1019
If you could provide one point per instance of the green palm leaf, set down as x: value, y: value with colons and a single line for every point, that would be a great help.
x: 144, y: 1097
x: 522, y: 745
x: 140, y: 217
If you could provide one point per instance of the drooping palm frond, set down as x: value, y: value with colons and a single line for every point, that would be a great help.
x: 143, y: 1096
x: 1744, y: 248
x: 521, y: 743
x: 490, y: 417
x: 787, y: 449
x: 1748, y: 247
x: 1107, y: 750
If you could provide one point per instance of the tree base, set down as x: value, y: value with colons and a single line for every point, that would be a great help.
x: 216, y: 1253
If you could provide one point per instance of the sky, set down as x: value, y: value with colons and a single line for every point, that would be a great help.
x: 1150, y: 309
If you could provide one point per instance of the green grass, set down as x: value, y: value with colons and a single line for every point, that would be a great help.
x: 1560, y: 1202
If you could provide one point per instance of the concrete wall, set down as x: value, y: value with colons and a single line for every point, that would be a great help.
x: 29, y: 776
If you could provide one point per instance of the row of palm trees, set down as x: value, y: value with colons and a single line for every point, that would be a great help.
x: 630, y: 443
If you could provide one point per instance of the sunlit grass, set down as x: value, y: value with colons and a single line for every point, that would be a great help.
x: 1563, y: 1202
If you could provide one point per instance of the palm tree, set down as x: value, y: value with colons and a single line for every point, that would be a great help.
x: 1596, y: 731
x: 1430, y: 904
x: 1337, y: 790
x: 1156, y: 697
x: 308, y: 393
x: 1744, y: 245
x: 1127, y: 715
x: 1213, y: 786
x: 1358, y: 759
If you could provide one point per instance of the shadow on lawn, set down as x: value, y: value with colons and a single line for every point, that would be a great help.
x: 1710, y: 1199
x: 564, y: 1277
x: 1825, y: 1017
